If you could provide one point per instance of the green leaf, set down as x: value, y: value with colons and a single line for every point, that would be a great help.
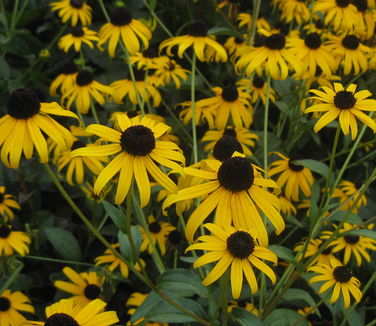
x: 315, y: 166
x: 283, y: 253
x: 299, y: 295
x: 184, y: 282
x: 64, y: 243
x: 245, y: 318
x: 220, y: 31
x: 152, y: 300
x: 116, y: 215
x: 284, y: 317
x: 125, y: 244
x: 4, y: 68
x: 152, y: 5
x: 351, y: 218
x: 363, y: 232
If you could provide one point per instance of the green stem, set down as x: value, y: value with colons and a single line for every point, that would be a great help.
x: 255, y: 15
x: 94, y: 111
x: 266, y: 120
x: 128, y: 225
x: 104, y: 10
x: 13, y: 277
x: 224, y: 285
x: 193, y: 104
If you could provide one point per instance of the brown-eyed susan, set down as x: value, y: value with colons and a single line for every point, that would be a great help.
x: 233, y: 44
x: 340, y: 14
x: 320, y: 78
x: 138, y: 150
x: 112, y: 262
x: 233, y: 7
x: 287, y: 208
x: 7, y: 204
x: 85, y: 287
x: 123, y: 27
x: 271, y: 56
x: 349, y: 50
x: 309, y: 314
x: 65, y: 80
x: 197, y: 37
x: 244, y: 137
x: 244, y: 305
x: 159, y: 231
x: 244, y: 19
x: 13, y: 241
x: 22, y: 127
x: 348, y: 194
x: 77, y: 37
x: 236, y: 247
x: 169, y: 72
x: 365, y: 18
x: 293, y: 176
x: 11, y: 304
x: 143, y: 87
x: 203, y: 114
x: 339, y: 278
x: 85, y: 91
x: 73, y: 10
x: 293, y: 10
x: 258, y: 89
x: 147, y: 59
x: 346, y: 104
x: 68, y: 312
x: 235, y: 189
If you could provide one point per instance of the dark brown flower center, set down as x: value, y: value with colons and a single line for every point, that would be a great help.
x: 84, y: 78
x: 78, y: 4
x: 295, y: 167
x: 137, y: 140
x: 198, y: 29
x: 121, y: 17
x: 77, y: 32
x: 77, y: 144
x: 238, y: 40
x: 225, y: 147
x: 92, y: 291
x: 155, y: 227
x: 342, y: 274
x: 4, y: 304
x: 344, y: 100
x: 5, y: 231
x: 61, y: 319
x: 342, y: 3
x: 23, y: 104
x: 351, y: 42
x: 258, y: 82
x: 229, y: 132
x: 351, y: 239
x: 236, y: 174
x: 240, y: 244
x: 313, y: 41
x: 275, y: 41
x: 361, y: 5
x: 230, y: 93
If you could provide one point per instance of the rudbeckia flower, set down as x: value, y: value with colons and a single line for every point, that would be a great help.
x: 295, y: 176
x: 340, y: 279
x: 11, y: 303
x: 293, y: 10
x: 85, y: 287
x: 139, y: 151
x: 345, y: 104
x: 147, y: 59
x: 258, y: 89
x: 124, y: 27
x: 203, y: 114
x: 347, y: 194
x: 65, y: 80
x: 287, y: 208
x: 11, y: 241
x: 235, y: 189
x: 244, y: 305
x: 233, y: 7
x: 68, y: 312
x: 170, y: 71
x: 21, y: 129
x: 73, y: 10
x: 7, y: 203
x: 235, y: 247
x: 198, y: 38
x: 76, y: 37
x: 234, y: 44
x: 365, y: 18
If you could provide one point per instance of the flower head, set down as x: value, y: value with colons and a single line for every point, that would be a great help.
x: 13, y: 241
x: 7, y: 203
x: 11, y: 303
x: 73, y: 11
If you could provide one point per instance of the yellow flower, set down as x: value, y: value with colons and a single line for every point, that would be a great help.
x: 258, y: 89
x: 293, y: 9
x: 243, y: 304
x: 11, y: 303
x: 7, y: 203
x: 287, y: 207
x: 65, y: 80
x: 170, y: 71
x: 76, y: 37
x: 347, y: 193
x: 147, y: 59
x: 73, y: 10
x: 11, y: 241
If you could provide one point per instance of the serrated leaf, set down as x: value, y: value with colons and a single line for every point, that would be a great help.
x: 116, y: 215
x: 125, y: 244
x: 284, y: 317
x: 315, y: 166
x: 283, y: 253
x: 245, y: 318
x: 64, y: 243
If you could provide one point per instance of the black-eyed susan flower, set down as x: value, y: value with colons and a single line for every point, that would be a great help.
x: 287, y: 208
x: 309, y: 314
x: 320, y: 78
x: 73, y: 11
x: 235, y: 247
x: 85, y: 91
x: 13, y: 241
x: 139, y: 151
x: 243, y: 136
x: 235, y: 189
x: 365, y: 18
x: 244, y: 305
x: 22, y: 127
x: 347, y: 194
x: 349, y: 50
x: 345, y: 104
x: 159, y: 231
x: 65, y: 80
x: 147, y: 59
x: 11, y: 304
x: 197, y: 36
x: 340, y: 279
x: 170, y: 71
x: 203, y: 114
x: 293, y: 176
x: 124, y: 27
x: 234, y: 44
x: 7, y: 204
x: 84, y: 287
x: 293, y: 10
x: 258, y: 89
x: 244, y: 19
x: 77, y: 37
x: 67, y: 312
x: 233, y: 7
x: 112, y: 262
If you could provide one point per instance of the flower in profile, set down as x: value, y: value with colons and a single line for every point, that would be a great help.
x: 339, y: 278
x: 203, y: 114
x: 85, y: 287
x: 139, y: 151
x: 147, y: 59
x: 171, y: 71
x: 158, y: 231
x: 22, y: 127
x: 365, y: 15
x: 345, y: 104
x: 235, y: 247
x: 293, y: 10
x: 76, y: 38
x: 13, y: 241
x: 287, y: 208
x: 258, y: 89
x: 124, y: 27
x: 7, y: 203
x: 85, y: 91
x: 67, y: 312
x: 73, y: 10
x: 348, y: 194
x: 233, y: 7
x: 11, y: 303
x: 233, y: 44
x: 295, y: 176
x: 235, y: 188
x: 112, y: 262
x: 197, y: 36
x: 65, y: 80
